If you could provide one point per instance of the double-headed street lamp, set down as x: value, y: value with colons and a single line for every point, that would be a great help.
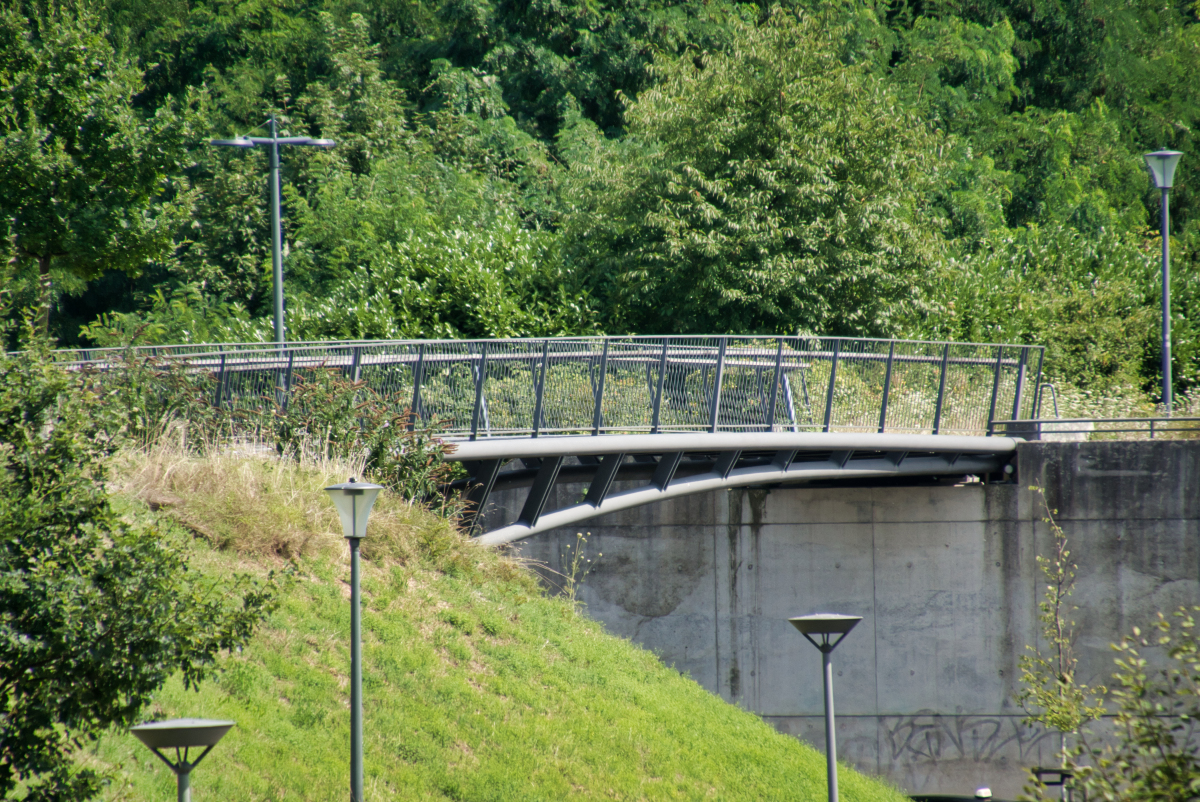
x: 354, y: 501
x: 1162, y: 169
x: 824, y: 626
x: 273, y: 142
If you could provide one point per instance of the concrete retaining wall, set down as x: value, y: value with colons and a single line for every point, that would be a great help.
x: 944, y: 576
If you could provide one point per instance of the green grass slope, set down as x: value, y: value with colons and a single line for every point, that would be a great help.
x: 477, y: 686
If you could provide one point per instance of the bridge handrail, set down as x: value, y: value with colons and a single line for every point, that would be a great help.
x: 601, y: 385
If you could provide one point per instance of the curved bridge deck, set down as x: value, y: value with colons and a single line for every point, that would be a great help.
x: 687, y: 413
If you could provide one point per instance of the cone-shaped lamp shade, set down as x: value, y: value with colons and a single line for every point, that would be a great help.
x: 825, y: 623
x: 1162, y: 167
x: 354, y: 501
x: 181, y: 733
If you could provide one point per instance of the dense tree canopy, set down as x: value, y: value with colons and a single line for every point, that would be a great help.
x: 766, y: 188
x: 87, y: 182
x: 653, y: 165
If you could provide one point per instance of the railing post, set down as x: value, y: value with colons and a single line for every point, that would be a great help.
x: 541, y: 388
x: 1016, y: 410
x: 287, y: 379
x: 662, y: 375
x: 1037, y: 394
x: 887, y: 386
x: 991, y: 425
x: 775, y: 386
x: 837, y: 347
x: 416, y: 399
x: 714, y: 408
x: 356, y: 365
x: 598, y: 414
x: 221, y: 382
x: 937, y: 412
x: 480, y: 378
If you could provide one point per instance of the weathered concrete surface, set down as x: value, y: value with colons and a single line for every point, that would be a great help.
x: 945, y: 577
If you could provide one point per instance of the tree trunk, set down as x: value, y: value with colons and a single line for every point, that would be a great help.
x: 44, y: 293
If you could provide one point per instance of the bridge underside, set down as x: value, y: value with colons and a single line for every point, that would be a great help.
x: 668, y: 466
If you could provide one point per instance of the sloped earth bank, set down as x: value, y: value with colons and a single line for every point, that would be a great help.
x: 476, y: 685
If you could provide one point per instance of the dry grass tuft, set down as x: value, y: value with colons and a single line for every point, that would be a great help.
x: 251, y: 502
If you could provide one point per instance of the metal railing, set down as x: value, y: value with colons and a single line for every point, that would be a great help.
x: 1101, y: 428
x: 603, y: 385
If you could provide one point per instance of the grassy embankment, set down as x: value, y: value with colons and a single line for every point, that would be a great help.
x: 477, y: 686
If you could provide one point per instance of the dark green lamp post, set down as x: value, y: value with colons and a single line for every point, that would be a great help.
x: 824, y: 626
x: 354, y: 501
x: 1162, y: 165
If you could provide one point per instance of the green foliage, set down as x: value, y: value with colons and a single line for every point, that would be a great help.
x: 769, y: 188
x: 89, y: 184
x: 649, y: 138
x: 329, y: 417
x: 95, y: 612
x: 1155, y: 757
x: 1090, y: 300
x: 1052, y: 696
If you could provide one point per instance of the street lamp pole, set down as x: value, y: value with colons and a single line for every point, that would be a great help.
x: 825, y: 625
x: 354, y: 501
x: 1162, y: 165
x: 272, y: 143
x: 276, y: 237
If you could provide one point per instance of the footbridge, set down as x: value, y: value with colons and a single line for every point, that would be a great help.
x: 636, y: 420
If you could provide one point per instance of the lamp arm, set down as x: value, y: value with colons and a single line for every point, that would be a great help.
x: 202, y: 754
x: 161, y: 757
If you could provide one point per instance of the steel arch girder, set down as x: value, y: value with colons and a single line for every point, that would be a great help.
x: 743, y: 477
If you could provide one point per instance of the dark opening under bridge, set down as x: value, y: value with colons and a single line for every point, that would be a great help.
x: 671, y: 415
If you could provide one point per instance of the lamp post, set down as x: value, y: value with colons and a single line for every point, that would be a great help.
x: 273, y: 142
x: 182, y: 734
x: 354, y: 501
x: 825, y: 625
x: 1162, y: 169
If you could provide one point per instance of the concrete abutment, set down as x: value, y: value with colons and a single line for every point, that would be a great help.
x: 944, y: 574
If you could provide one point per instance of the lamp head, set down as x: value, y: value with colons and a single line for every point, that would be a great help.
x: 181, y: 733
x: 237, y: 142
x: 825, y: 623
x: 321, y: 143
x: 354, y: 501
x: 1162, y: 165
x: 825, y: 626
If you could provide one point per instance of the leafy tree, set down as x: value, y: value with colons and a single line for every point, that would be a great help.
x: 1052, y: 694
x: 1154, y: 755
x: 86, y: 183
x: 770, y: 188
x: 95, y: 612
x: 1090, y: 300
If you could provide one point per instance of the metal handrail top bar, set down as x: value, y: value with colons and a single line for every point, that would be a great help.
x: 1099, y: 420
x: 557, y: 446
x: 680, y: 340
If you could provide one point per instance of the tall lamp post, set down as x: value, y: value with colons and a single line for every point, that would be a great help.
x: 1162, y: 169
x: 273, y: 142
x: 354, y: 501
x: 824, y: 626
x: 182, y: 734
